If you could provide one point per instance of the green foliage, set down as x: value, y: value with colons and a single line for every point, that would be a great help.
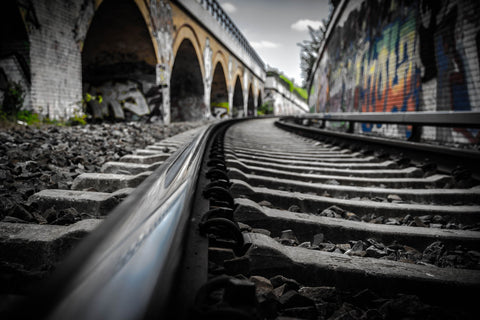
x: 301, y: 92
x: 79, y: 118
x: 264, y: 109
x: 220, y: 105
x: 13, y: 100
x: 87, y: 98
x: 28, y: 117
x: 287, y: 81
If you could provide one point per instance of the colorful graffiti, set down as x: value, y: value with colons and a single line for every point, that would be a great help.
x: 403, y: 55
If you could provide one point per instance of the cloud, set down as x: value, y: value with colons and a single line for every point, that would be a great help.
x: 302, y: 24
x: 228, y: 7
x: 264, y: 44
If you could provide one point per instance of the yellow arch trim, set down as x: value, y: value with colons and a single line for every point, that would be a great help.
x: 238, y: 73
x: 185, y: 32
x: 220, y: 58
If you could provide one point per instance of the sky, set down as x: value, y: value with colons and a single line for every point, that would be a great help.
x: 274, y: 27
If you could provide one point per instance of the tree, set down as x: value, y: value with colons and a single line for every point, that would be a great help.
x: 309, y: 51
x: 310, y: 48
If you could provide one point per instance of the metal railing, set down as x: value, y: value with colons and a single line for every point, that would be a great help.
x: 216, y: 11
x: 448, y: 157
x: 452, y: 119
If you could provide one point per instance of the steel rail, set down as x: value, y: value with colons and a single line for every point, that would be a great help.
x: 126, y: 268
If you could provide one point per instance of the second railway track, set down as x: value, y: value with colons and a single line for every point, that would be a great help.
x: 250, y: 221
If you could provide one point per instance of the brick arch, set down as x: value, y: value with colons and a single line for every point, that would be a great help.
x: 118, y: 44
x: 259, y: 98
x: 186, y: 32
x: 238, y: 73
x: 238, y: 99
x: 250, y: 100
x: 14, y: 50
x: 187, y: 90
x: 219, y: 90
x: 142, y: 7
x: 14, y: 37
x: 220, y: 57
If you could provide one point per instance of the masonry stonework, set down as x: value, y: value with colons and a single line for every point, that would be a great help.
x: 124, y: 50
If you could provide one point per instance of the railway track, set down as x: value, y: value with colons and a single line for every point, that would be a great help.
x: 250, y: 221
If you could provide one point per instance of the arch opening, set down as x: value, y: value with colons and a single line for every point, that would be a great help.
x: 14, y: 56
x: 250, y: 103
x: 237, y: 108
x: 186, y: 85
x: 259, y: 101
x: 118, y: 61
x: 219, y: 93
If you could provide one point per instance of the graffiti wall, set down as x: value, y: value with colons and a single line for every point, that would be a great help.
x: 402, y: 55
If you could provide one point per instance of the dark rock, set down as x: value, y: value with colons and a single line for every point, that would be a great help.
x: 306, y: 244
x: 13, y: 220
x: 294, y: 208
x: 20, y: 212
x: 343, y: 247
x: 67, y: 216
x: 50, y: 214
x: 301, y: 312
x: 265, y: 203
x: 292, y: 299
x: 404, y: 307
x: 333, y: 212
x: 288, y: 237
x: 392, y: 222
x: 346, y: 312
x: 290, y: 284
x: 433, y: 252
x: 318, y: 239
x: 374, y: 252
x: 365, y: 298
x: 319, y: 294
x: 236, y: 266
x: 393, y: 198
x: 262, y: 231
x: 327, y: 246
x: 262, y: 285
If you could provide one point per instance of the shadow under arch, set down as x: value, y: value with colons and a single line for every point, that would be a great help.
x: 118, y: 61
x: 259, y: 100
x: 14, y: 54
x: 118, y: 45
x: 237, y: 108
x: 186, y: 85
x: 250, y: 102
x: 219, y: 93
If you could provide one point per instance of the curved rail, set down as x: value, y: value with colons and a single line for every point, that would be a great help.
x: 126, y: 268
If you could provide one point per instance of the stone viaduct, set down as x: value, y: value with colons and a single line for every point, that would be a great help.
x: 179, y: 60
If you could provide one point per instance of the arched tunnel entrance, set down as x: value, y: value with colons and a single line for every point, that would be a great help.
x: 219, y: 94
x: 186, y: 85
x: 118, y: 60
x: 250, y: 103
x: 14, y: 56
x: 259, y: 100
x: 237, y: 108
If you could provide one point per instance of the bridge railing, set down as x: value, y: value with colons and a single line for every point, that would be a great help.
x: 216, y: 10
x: 457, y: 119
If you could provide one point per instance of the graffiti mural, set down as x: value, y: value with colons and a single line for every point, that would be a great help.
x: 402, y: 55
x: 118, y: 97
